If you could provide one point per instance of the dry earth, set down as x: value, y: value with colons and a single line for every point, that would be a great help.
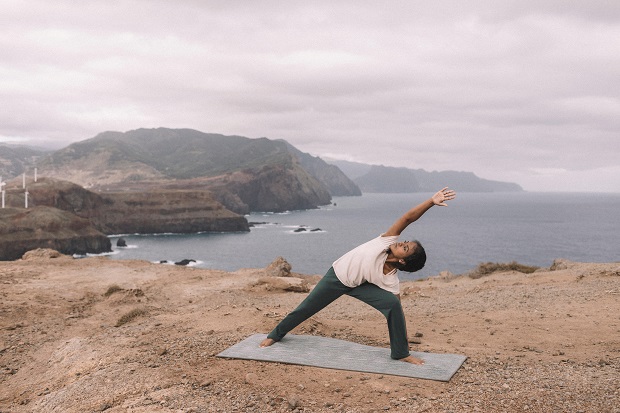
x: 544, y: 342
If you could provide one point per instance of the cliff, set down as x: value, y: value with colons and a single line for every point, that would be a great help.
x: 44, y: 227
x: 155, y: 211
x: 272, y: 188
x: 73, y: 220
x: 337, y: 183
x: 165, y: 211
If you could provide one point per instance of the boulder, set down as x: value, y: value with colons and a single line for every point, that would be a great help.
x: 121, y: 242
x: 278, y: 268
x: 446, y: 276
x: 294, y: 284
x: 561, y: 264
x: 41, y: 253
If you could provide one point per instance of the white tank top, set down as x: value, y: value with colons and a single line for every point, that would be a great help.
x: 365, y: 264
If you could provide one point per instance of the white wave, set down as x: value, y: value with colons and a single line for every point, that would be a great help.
x: 306, y: 230
x: 88, y: 254
x: 172, y: 262
x: 269, y: 214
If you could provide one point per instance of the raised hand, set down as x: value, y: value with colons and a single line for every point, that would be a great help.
x: 442, y: 196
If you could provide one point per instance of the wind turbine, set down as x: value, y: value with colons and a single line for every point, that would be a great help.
x: 1, y: 188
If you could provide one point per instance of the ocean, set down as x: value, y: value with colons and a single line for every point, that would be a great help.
x: 530, y: 228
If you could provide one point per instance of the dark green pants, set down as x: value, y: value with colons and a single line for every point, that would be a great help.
x: 329, y: 289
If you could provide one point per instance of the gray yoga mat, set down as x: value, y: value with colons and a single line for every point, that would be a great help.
x: 332, y: 353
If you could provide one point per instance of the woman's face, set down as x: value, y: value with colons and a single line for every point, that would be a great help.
x: 403, y: 249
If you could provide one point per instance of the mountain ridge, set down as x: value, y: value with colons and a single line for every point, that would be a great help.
x: 244, y: 174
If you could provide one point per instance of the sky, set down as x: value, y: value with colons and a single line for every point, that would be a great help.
x: 521, y: 91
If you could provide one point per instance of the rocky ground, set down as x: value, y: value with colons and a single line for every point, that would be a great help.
x: 96, y: 334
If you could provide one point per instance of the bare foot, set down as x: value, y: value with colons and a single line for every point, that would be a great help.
x: 266, y: 342
x: 412, y: 360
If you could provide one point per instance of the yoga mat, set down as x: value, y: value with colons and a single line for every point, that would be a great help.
x: 338, y: 354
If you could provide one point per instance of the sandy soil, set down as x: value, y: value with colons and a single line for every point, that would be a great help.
x: 544, y: 342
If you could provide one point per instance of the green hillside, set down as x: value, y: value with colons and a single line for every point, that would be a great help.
x: 178, y: 153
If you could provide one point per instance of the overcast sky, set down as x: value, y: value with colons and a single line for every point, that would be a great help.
x: 524, y: 91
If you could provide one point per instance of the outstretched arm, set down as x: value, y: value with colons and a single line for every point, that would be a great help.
x: 416, y: 212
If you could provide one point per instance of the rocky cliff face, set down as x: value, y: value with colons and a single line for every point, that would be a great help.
x: 165, y: 211
x: 272, y: 188
x: 44, y: 227
x: 337, y: 183
x: 70, y: 219
x: 154, y: 211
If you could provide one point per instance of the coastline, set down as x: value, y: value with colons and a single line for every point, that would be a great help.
x: 547, y: 341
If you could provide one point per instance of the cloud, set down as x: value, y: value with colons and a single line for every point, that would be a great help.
x: 500, y: 89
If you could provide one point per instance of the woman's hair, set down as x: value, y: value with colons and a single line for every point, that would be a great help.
x: 416, y: 260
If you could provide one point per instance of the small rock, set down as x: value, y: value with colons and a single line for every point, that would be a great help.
x: 293, y: 400
x: 121, y: 242
x: 251, y: 378
x: 379, y: 387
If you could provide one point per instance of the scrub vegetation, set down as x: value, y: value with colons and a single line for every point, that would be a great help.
x: 488, y: 268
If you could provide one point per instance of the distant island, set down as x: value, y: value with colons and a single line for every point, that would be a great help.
x: 387, y: 179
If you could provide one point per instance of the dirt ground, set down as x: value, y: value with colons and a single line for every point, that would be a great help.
x: 95, y: 334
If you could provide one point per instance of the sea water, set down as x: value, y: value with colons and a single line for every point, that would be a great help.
x: 530, y: 228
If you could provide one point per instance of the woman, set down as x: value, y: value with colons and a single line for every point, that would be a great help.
x: 369, y: 273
